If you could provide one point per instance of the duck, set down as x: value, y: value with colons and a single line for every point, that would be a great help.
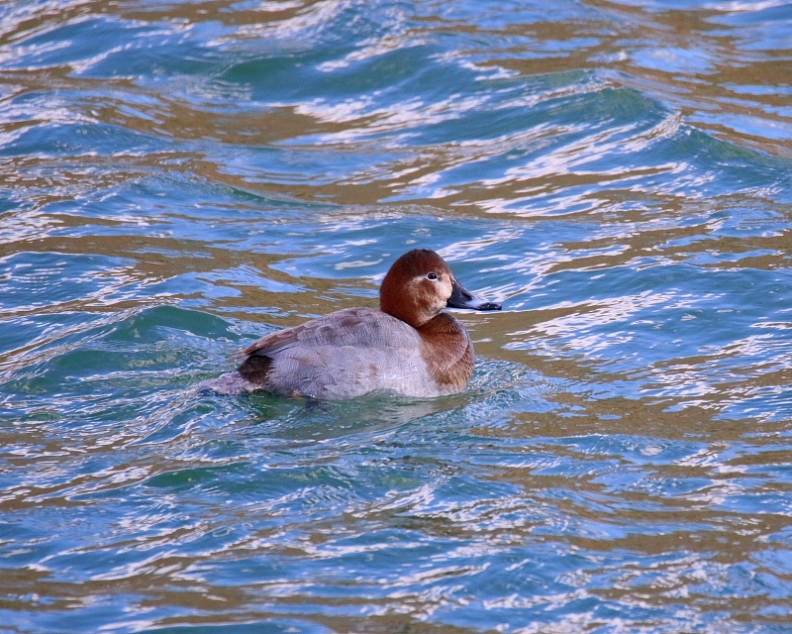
x: 409, y: 346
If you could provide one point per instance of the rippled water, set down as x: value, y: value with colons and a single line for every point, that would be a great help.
x: 179, y: 178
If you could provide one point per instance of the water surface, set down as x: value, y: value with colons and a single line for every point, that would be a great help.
x: 178, y: 179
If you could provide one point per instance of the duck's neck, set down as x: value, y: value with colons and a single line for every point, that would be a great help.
x: 448, y: 351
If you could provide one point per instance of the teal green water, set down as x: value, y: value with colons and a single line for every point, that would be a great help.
x: 177, y: 179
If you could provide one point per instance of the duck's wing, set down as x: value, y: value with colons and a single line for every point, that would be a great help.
x: 356, y: 327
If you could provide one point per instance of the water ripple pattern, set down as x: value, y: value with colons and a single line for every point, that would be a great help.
x: 180, y: 178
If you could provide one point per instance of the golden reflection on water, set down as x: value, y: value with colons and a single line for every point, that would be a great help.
x: 702, y: 66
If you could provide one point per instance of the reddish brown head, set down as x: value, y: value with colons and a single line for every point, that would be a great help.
x: 419, y: 285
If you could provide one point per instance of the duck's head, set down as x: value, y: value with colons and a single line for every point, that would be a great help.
x: 420, y: 284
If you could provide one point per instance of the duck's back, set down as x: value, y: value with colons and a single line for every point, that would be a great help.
x: 342, y: 355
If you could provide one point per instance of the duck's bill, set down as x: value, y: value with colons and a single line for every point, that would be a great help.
x: 462, y: 298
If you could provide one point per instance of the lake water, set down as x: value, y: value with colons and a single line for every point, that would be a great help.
x: 179, y: 178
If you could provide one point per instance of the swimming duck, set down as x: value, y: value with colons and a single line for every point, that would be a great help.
x: 409, y: 346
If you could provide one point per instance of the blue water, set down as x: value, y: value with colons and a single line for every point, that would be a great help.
x: 178, y: 179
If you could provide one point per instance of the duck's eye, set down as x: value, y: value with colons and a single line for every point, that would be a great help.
x: 432, y: 276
